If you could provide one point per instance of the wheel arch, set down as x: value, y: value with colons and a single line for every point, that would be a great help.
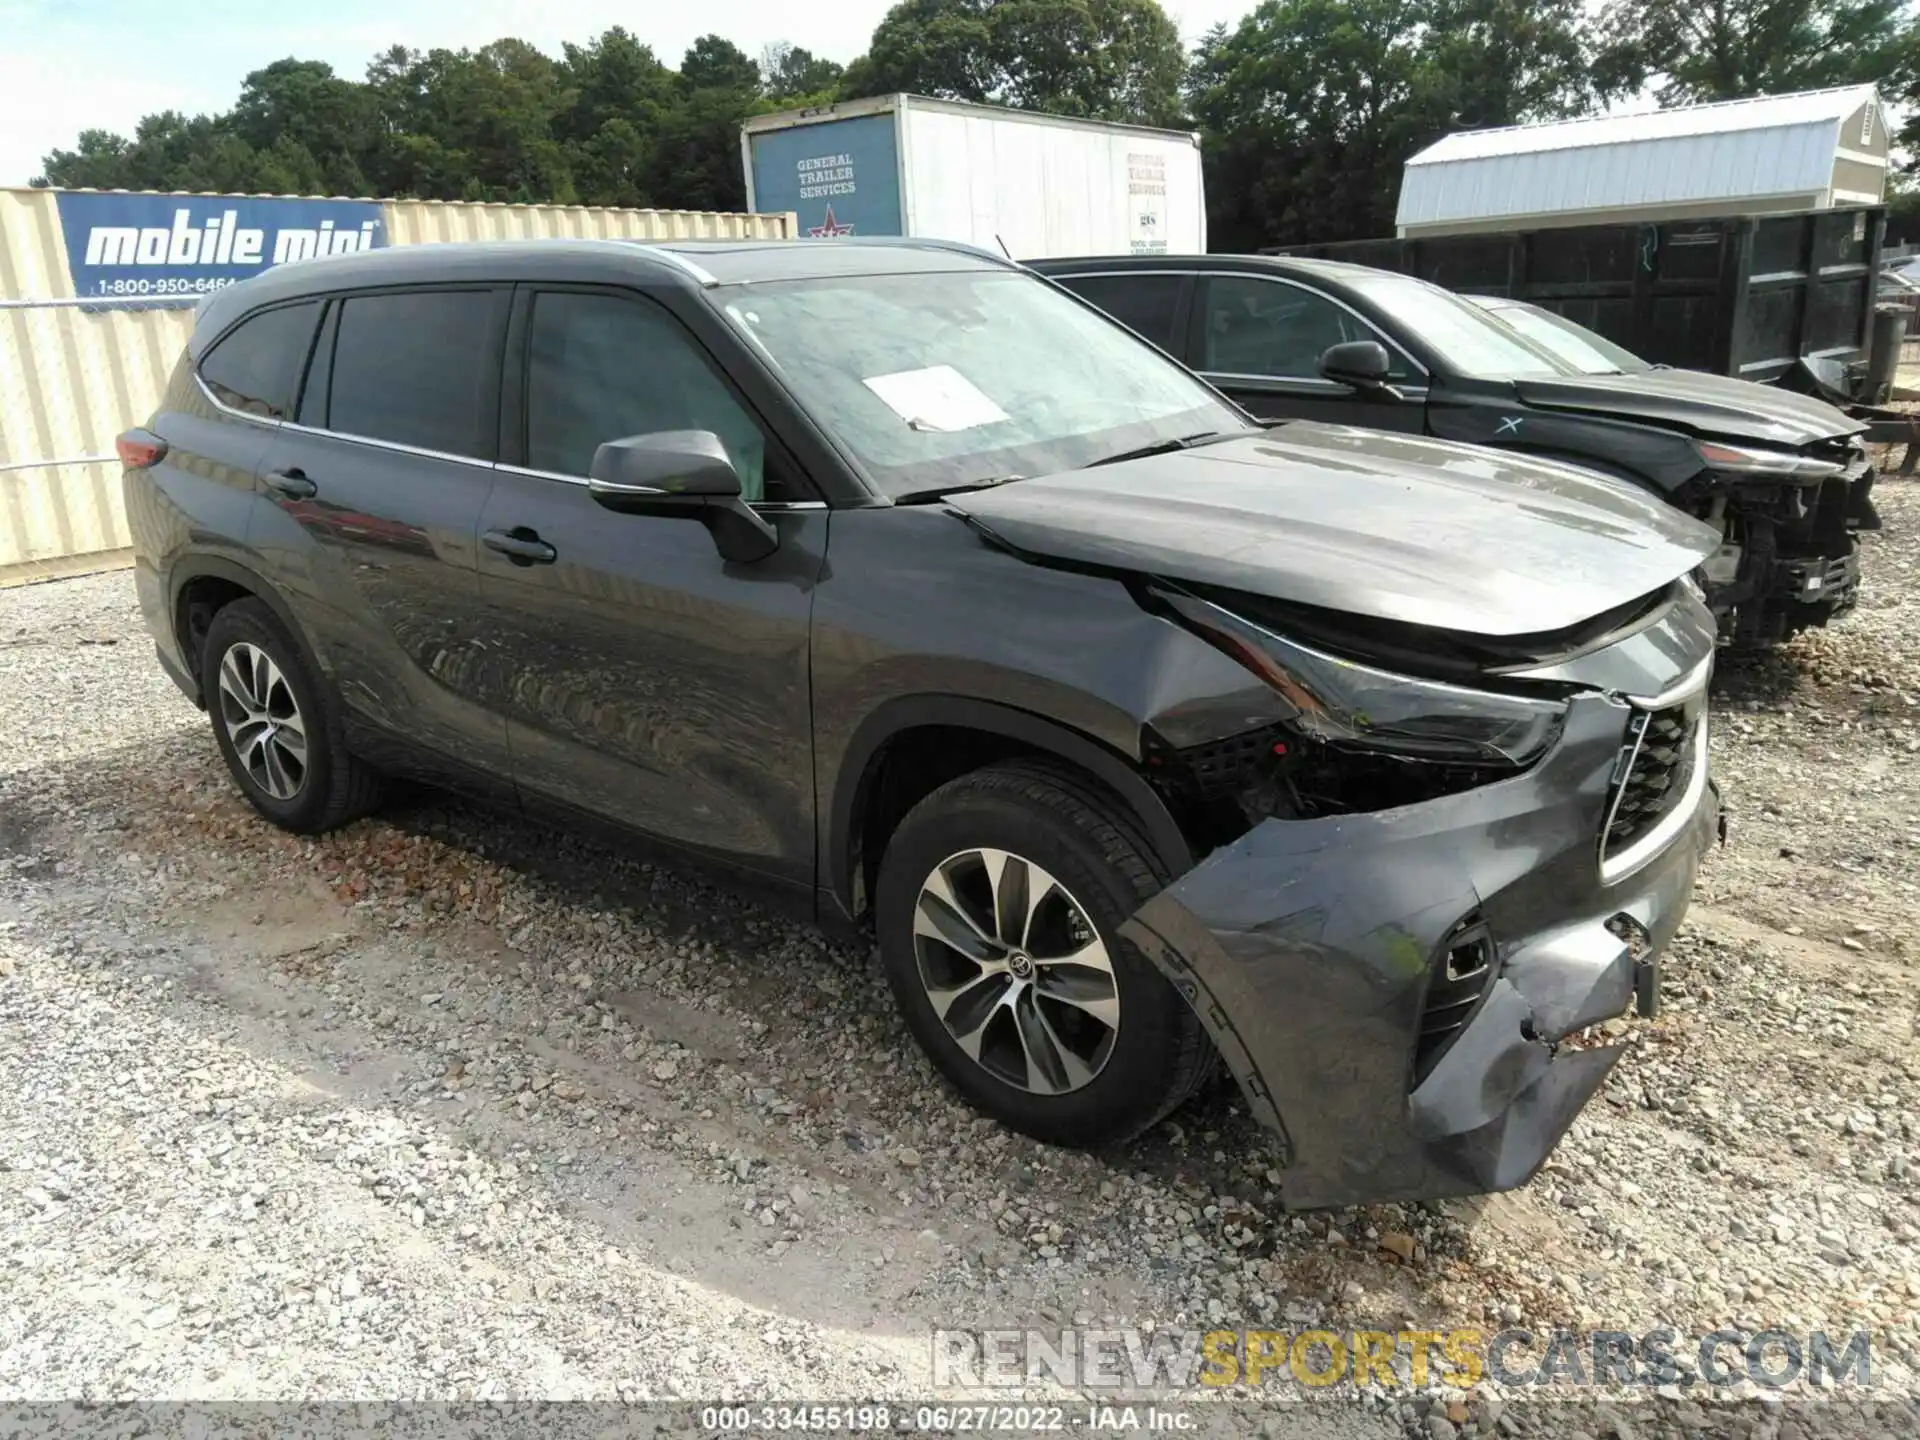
x: 192, y: 570
x: 1004, y: 731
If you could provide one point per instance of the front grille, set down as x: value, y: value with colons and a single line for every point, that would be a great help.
x: 1653, y: 772
x: 1461, y: 973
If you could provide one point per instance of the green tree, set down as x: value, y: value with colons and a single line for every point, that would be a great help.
x: 942, y: 48
x: 696, y: 163
x: 1497, y: 62
x: 619, y: 97
x: 1702, y: 50
x: 790, y: 73
x: 169, y: 151
x: 1310, y: 108
x: 1110, y: 59
x: 320, y: 128
x: 100, y: 160
x: 713, y: 63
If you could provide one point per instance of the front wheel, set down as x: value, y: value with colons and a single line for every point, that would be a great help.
x: 998, y: 902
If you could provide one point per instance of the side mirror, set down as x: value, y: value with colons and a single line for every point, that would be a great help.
x: 683, y: 474
x: 1362, y: 364
x: 666, y: 463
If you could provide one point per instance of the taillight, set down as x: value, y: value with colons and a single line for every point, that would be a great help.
x: 138, y: 450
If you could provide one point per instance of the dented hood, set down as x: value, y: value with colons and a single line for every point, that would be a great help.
x: 1697, y: 403
x: 1390, y: 526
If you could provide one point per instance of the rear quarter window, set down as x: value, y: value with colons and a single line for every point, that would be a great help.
x: 256, y: 366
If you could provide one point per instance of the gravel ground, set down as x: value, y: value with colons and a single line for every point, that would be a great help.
x: 448, y: 1106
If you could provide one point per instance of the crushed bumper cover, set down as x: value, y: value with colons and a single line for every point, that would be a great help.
x: 1307, y: 948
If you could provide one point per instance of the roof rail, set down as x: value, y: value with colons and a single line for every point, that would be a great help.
x: 700, y: 275
x: 961, y: 247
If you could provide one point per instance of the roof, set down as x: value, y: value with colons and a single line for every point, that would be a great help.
x: 1278, y: 264
x: 731, y: 262
x: 1769, y: 145
x: 887, y: 104
x: 1763, y: 112
x: 703, y: 263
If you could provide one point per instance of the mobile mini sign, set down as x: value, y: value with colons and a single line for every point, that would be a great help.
x: 134, y: 245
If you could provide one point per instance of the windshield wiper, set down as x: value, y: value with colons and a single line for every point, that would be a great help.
x: 921, y: 497
x: 1167, y: 447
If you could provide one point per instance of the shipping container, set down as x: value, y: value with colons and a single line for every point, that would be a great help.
x: 1026, y: 184
x: 1746, y: 296
x: 97, y: 290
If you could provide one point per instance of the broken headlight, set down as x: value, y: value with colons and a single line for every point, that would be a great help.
x: 1341, y: 703
x: 1764, y: 460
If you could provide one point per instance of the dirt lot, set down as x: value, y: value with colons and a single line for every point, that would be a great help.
x: 447, y: 1105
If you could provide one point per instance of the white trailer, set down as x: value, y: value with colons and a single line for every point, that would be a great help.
x: 1032, y: 185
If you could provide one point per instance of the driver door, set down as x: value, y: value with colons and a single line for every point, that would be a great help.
x: 644, y: 679
x: 1260, y: 338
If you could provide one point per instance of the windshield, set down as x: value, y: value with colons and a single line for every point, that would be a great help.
x: 1587, y: 352
x: 1463, y: 335
x: 943, y: 380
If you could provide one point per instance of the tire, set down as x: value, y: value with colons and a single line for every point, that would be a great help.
x: 1034, y: 1061
x: 275, y: 726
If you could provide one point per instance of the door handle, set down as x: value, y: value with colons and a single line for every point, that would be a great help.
x: 293, y: 483
x: 520, y: 545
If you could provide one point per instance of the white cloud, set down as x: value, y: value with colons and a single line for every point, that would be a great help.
x: 45, y: 109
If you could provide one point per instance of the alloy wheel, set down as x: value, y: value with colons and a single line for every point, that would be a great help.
x: 263, y: 721
x: 1016, y: 971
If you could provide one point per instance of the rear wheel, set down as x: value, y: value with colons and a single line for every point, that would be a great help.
x: 275, y: 730
x: 998, y: 902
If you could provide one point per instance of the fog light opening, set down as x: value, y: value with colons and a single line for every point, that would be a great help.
x: 1458, y: 980
x: 1633, y: 934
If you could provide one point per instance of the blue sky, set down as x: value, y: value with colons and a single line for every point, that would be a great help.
x: 69, y: 65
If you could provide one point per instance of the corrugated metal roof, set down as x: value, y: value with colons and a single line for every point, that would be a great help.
x: 1765, y: 112
x: 1773, y: 145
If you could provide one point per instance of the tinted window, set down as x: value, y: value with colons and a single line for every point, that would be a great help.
x: 1269, y: 327
x: 1145, y: 304
x: 602, y: 368
x: 417, y: 369
x: 257, y: 366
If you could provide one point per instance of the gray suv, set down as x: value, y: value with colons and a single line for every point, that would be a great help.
x: 911, y: 592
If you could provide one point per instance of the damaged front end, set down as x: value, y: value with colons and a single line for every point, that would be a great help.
x: 1393, y: 984
x: 1789, y: 557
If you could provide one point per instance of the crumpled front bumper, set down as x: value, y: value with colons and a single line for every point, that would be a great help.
x: 1307, y: 948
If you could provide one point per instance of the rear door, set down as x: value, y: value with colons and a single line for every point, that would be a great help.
x: 654, y: 684
x: 376, y: 489
x: 1259, y: 338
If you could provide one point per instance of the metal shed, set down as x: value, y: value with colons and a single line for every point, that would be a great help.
x: 1808, y: 151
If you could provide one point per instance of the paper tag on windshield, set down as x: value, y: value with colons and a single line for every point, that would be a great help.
x: 937, y: 398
